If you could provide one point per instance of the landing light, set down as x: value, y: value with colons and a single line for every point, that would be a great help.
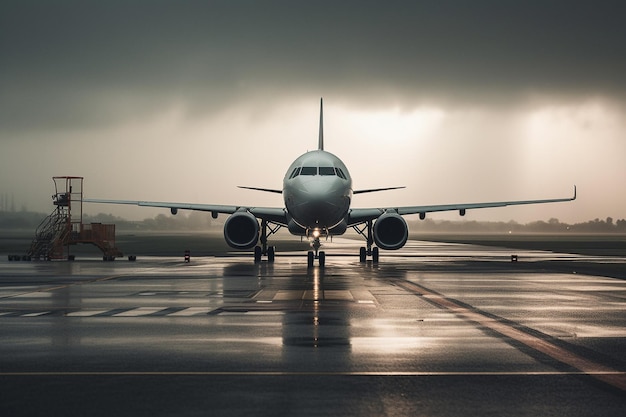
x: 316, y: 233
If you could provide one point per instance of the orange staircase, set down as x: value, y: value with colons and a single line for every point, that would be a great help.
x: 64, y: 226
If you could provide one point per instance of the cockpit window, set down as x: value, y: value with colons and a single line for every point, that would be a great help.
x: 327, y: 171
x: 295, y: 173
x: 308, y: 171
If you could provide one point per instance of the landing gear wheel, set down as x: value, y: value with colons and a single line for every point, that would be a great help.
x: 322, y: 258
x: 257, y: 254
x: 362, y: 254
x: 375, y: 255
x: 309, y: 258
x: 271, y: 253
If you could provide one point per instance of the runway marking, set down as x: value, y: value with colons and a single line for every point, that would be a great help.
x: 85, y: 313
x: 191, y: 311
x: 321, y: 295
x: 36, y: 314
x: 117, y: 312
x: 287, y: 295
x: 41, y: 291
x: 343, y: 295
x: 308, y: 373
x: 586, y: 366
x: 139, y: 311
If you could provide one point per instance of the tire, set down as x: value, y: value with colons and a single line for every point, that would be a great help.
x: 362, y: 254
x: 257, y: 254
x: 375, y: 255
x: 309, y: 258
x: 271, y: 253
x: 322, y: 259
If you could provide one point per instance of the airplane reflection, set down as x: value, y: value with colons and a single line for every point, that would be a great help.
x: 315, y: 324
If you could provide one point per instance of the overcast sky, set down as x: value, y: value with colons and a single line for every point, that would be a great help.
x: 461, y: 101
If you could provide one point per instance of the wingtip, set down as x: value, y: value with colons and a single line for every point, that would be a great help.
x: 574, y: 197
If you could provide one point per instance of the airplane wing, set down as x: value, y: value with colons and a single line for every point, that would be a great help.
x: 357, y: 216
x: 272, y: 214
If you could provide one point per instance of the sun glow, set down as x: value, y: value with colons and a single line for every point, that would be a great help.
x: 395, y: 124
x: 557, y: 135
x: 570, y: 122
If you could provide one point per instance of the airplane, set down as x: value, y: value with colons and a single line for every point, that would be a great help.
x: 317, y: 192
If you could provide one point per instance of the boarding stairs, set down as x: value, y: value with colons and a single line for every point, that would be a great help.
x: 50, y: 236
x: 64, y: 226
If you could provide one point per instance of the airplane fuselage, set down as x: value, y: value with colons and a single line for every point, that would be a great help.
x: 317, y: 190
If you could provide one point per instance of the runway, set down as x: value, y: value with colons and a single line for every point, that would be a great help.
x: 434, y: 329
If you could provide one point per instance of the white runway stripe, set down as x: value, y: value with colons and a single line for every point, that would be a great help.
x: 85, y: 313
x: 37, y: 314
x: 139, y: 311
x: 135, y: 312
x: 191, y: 311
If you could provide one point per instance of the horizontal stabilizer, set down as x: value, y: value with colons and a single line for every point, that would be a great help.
x: 267, y: 190
x: 372, y: 190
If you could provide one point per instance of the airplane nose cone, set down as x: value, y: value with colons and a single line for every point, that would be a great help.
x: 317, y: 190
x: 325, y: 203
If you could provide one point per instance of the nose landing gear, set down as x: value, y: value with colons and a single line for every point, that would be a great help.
x: 316, y: 253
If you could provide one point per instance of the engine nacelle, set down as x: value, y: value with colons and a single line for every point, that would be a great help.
x: 296, y: 229
x: 390, y: 231
x: 241, y: 230
x: 339, y: 229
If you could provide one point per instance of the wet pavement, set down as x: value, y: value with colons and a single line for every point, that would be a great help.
x: 435, y: 329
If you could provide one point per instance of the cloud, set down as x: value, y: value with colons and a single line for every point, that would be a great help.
x: 137, y: 95
x: 72, y: 63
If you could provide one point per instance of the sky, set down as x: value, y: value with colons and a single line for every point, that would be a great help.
x: 459, y: 101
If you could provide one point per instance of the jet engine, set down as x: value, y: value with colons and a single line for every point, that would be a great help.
x: 296, y: 229
x: 390, y: 231
x: 339, y: 229
x: 241, y: 230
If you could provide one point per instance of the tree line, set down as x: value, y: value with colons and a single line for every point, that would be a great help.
x: 551, y: 226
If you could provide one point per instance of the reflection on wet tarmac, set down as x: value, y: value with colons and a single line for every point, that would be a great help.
x: 423, y: 314
x: 311, y: 325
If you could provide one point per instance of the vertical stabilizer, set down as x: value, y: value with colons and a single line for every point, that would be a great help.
x: 321, y: 139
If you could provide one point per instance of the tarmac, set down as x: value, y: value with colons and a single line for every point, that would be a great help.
x: 434, y: 329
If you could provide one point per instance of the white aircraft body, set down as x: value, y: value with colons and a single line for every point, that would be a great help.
x: 317, y: 191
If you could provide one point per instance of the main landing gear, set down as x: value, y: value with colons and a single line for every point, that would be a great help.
x: 364, y: 252
x: 267, y: 229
